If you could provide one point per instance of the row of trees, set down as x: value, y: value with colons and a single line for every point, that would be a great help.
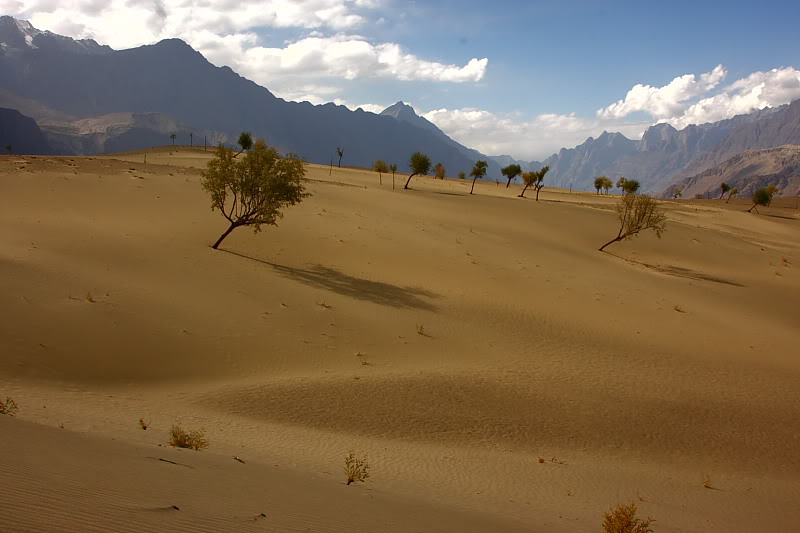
x: 625, y: 185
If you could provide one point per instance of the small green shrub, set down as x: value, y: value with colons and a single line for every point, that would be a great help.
x: 9, y: 407
x: 622, y: 519
x: 356, y: 469
x: 181, y: 438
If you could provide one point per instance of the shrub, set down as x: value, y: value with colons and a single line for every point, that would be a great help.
x: 356, y: 469
x: 180, y: 438
x: 760, y: 197
x: 144, y: 425
x: 9, y: 407
x: 630, y: 186
x: 439, y: 171
x: 622, y: 519
x: 637, y: 213
x: 462, y: 175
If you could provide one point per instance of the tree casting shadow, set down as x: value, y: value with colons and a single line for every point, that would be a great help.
x: 362, y: 289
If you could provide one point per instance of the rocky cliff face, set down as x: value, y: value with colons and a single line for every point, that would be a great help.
x: 747, y: 171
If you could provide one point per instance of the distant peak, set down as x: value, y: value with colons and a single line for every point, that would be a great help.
x: 398, y: 109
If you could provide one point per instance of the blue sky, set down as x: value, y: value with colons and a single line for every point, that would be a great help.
x: 516, y: 77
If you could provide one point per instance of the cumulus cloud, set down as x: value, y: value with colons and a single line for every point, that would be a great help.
x: 667, y: 101
x: 525, y: 137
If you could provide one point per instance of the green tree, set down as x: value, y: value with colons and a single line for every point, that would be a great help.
x: 439, y: 171
x: 462, y: 175
x: 733, y: 193
x: 677, y: 193
x: 621, y: 184
x: 393, y: 169
x: 173, y: 138
x: 511, y: 172
x: 638, y: 213
x: 607, y: 184
x: 630, y: 186
x: 254, y: 190
x: 724, y: 187
x: 245, y: 141
x: 760, y: 197
x: 340, y: 153
x: 534, y: 179
x: 380, y: 167
x: 478, y: 172
x: 419, y: 163
x: 598, y: 183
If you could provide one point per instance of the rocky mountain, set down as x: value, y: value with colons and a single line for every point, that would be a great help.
x: 21, y: 134
x: 747, y: 171
x: 83, y: 80
x: 662, y: 154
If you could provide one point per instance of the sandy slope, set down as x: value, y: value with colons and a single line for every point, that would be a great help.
x: 638, y: 371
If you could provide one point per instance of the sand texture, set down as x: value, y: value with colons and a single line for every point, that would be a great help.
x: 499, y: 372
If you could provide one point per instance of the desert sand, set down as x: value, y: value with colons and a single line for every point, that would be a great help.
x: 498, y: 372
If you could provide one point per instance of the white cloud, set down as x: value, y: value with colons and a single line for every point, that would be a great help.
x: 223, y: 31
x: 756, y: 91
x: 667, y: 101
x: 523, y: 137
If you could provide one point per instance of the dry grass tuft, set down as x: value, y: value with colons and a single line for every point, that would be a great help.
x: 9, y: 407
x: 707, y: 481
x: 89, y: 298
x: 679, y: 309
x: 622, y: 519
x: 421, y: 329
x: 181, y: 438
x: 355, y: 468
x: 144, y: 425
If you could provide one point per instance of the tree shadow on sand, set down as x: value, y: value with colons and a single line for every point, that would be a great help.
x: 333, y: 280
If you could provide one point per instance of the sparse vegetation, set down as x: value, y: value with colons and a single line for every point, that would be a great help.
x: 621, y: 184
x: 511, y: 172
x: 733, y: 193
x: 340, y: 153
x: 760, y: 197
x: 773, y: 191
x: 677, y: 193
x: 421, y: 329
x: 180, y: 438
x: 245, y: 142
x: 622, y: 519
x: 638, y: 213
x: 724, y: 187
x: 439, y: 171
x: 393, y: 169
x: 419, y: 163
x: 707, y: 481
x: 380, y: 167
x: 534, y: 179
x: 630, y: 186
x: 462, y: 175
x: 598, y: 183
x: 253, y: 191
x: 8, y: 407
x: 356, y: 468
x: 172, y: 137
x: 144, y: 425
x: 478, y: 172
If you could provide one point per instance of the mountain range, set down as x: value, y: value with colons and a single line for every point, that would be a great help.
x: 88, y: 98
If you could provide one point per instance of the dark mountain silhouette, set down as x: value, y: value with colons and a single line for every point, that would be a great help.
x: 21, y: 133
x: 82, y: 80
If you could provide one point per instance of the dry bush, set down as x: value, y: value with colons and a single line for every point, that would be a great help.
x: 421, y: 329
x: 181, y: 438
x: 622, y: 519
x: 9, y: 407
x: 707, y: 481
x: 144, y: 425
x: 635, y: 214
x: 356, y: 469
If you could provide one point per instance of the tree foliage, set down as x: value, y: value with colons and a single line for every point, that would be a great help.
x: 439, y: 171
x: 621, y: 183
x: 245, y: 141
x: 760, y: 197
x: 511, y: 172
x: 638, y: 213
x: 598, y: 183
x: 419, y: 163
x: 630, y: 186
x: 254, y: 190
x: 478, y: 172
x: 534, y: 179
x: 724, y: 187
x: 380, y: 167
x: 462, y: 175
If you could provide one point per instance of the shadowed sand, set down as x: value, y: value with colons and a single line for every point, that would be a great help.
x: 631, y: 374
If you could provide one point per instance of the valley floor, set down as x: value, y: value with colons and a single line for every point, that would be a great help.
x: 499, y: 372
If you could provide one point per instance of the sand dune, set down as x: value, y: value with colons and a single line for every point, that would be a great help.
x: 638, y: 371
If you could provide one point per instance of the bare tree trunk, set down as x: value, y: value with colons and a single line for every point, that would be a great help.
x: 473, y: 184
x: 522, y: 194
x: 537, y: 193
x: 380, y: 178
x: 754, y: 207
x: 509, y: 183
x: 409, y: 180
x: 615, y: 239
x: 222, y: 237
